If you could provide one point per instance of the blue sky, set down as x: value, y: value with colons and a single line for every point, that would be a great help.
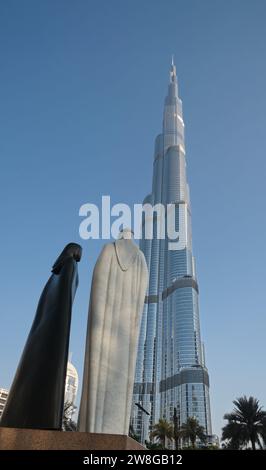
x: 82, y: 85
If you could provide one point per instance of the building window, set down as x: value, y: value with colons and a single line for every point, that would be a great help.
x: 71, y: 380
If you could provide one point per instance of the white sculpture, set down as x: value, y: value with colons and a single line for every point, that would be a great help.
x: 118, y: 290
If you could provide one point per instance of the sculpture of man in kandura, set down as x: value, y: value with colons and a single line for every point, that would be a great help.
x: 36, y: 398
x: 118, y: 291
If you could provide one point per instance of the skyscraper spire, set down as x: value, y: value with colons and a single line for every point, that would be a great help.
x: 172, y: 71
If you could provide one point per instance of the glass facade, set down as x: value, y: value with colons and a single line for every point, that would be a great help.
x: 170, y: 369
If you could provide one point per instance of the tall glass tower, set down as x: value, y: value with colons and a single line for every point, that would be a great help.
x: 170, y: 369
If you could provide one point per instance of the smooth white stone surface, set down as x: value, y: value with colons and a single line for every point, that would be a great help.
x: 118, y: 290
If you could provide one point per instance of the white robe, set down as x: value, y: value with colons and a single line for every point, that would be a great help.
x: 118, y: 290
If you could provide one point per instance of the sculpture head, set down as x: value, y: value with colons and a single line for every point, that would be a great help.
x: 72, y: 250
x: 126, y: 233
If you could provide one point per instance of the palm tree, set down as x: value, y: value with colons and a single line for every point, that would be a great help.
x: 192, y: 430
x: 263, y: 432
x: 245, y: 423
x: 152, y: 445
x: 234, y: 434
x: 162, y: 431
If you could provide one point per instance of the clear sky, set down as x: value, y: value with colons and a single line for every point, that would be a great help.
x: 82, y: 85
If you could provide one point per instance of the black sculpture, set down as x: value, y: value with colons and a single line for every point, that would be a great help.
x: 36, y: 398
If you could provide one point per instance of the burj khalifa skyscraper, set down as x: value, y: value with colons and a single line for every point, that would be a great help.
x: 170, y: 370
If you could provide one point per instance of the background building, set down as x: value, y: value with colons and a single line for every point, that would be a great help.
x: 71, y: 388
x: 3, y: 399
x: 170, y: 369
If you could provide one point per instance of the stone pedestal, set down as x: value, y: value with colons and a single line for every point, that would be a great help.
x: 33, y: 439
